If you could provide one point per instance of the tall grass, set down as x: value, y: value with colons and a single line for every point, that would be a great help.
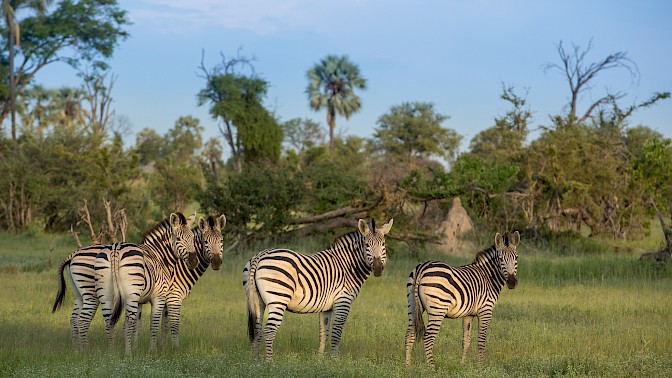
x: 583, y: 314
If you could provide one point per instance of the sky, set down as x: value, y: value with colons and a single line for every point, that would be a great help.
x: 456, y: 54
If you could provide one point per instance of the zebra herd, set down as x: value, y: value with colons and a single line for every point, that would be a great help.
x: 172, y: 256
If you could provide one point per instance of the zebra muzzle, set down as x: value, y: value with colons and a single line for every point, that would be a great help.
x: 378, y: 267
x: 192, y: 261
x: 512, y: 282
x: 216, y: 262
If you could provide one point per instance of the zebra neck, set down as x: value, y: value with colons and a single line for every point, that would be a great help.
x: 158, y: 246
x: 349, y: 251
x: 489, y: 261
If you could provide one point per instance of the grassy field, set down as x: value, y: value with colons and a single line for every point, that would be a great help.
x: 581, y: 314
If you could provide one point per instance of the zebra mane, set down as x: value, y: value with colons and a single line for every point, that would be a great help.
x: 161, y: 226
x: 486, y: 254
x: 345, y: 237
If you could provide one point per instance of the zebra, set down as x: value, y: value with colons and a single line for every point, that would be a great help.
x: 125, y: 279
x: 79, y: 266
x: 326, y: 282
x: 444, y: 291
x: 208, y: 237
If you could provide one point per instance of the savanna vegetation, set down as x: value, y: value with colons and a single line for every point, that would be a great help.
x: 573, y: 313
x: 589, y: 193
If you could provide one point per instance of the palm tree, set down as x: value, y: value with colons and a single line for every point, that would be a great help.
x: 9, y: 9
x: 332, y: 84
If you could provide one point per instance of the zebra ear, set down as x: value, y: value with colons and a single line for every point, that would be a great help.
x: 190, y: 220
x: 384, y: 229
x: 175, y: 220
x: 221, y: 222
x: 202, y: 224
x: 363, y: 227
x: 499, y: 241
x: 514, y: 239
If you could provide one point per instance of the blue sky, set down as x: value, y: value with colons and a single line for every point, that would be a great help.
x: 455, y: 54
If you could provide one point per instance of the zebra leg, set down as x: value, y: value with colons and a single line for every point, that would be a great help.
x: 138, y: 326
x: 79, y: 304
x: 259, y: 336
x: 131, y: 321
x: 276, y: 311
x: 433, y: 325
x: 89, y: 307
x: 483, y: 322
x: 340, y: 315
x: 158, y: 305
x: 74, y: 331
x: 466, y: 336
x: 410, y: 340
x: 172, y: 313
x: 325, y: 327
x: 164, y: 327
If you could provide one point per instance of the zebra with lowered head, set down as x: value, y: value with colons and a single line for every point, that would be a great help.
x: 445, y: 291
x: 79, y: 267
x: 326, y: 282
x: 130, y: 278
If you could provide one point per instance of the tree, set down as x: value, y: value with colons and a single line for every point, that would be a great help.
x: 412, y: 131
x: 250, y: 130
x: 581, y: 76
x: 504, y: 141
x: 331, y: 85
x: 302, y: 134
x: 73, y: 32
x: 9, y: 9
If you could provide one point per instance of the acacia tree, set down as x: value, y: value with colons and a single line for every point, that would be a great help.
x: 413, y: 132
x: 331, y: 85
x: 73, y: 32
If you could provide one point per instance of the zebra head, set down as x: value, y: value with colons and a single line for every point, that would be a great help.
x: 211, y: 234
x: 183, y: 238
x: 508, y: 257
x: 374, y: 241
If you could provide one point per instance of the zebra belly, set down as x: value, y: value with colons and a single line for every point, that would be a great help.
x: 439, y: 297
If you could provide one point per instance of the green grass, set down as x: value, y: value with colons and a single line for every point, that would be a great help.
x: 600, y: 314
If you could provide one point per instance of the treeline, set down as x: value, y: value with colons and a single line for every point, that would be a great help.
x: 584, y: 168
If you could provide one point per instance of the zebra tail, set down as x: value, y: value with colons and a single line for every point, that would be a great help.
x: 114, y: 274
x: 252, y: 302
x: 418, y: 321
x: 58, y: 302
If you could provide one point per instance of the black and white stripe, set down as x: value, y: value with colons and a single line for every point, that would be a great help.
x: 78, y: 267
x: 445, y: 291
x: 326, y: 282
x: 208, y: 239
x: 129, y: 277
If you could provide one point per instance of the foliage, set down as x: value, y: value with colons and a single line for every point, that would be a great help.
x: 257, y: 203
x: 413, y: 132
x: 64, y: 169
x: 173, y: 168
x: 302, y: 134
x: 251, y: 132
x: 75, y: 32
x: 331, y: 85
x: 505, y: 140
